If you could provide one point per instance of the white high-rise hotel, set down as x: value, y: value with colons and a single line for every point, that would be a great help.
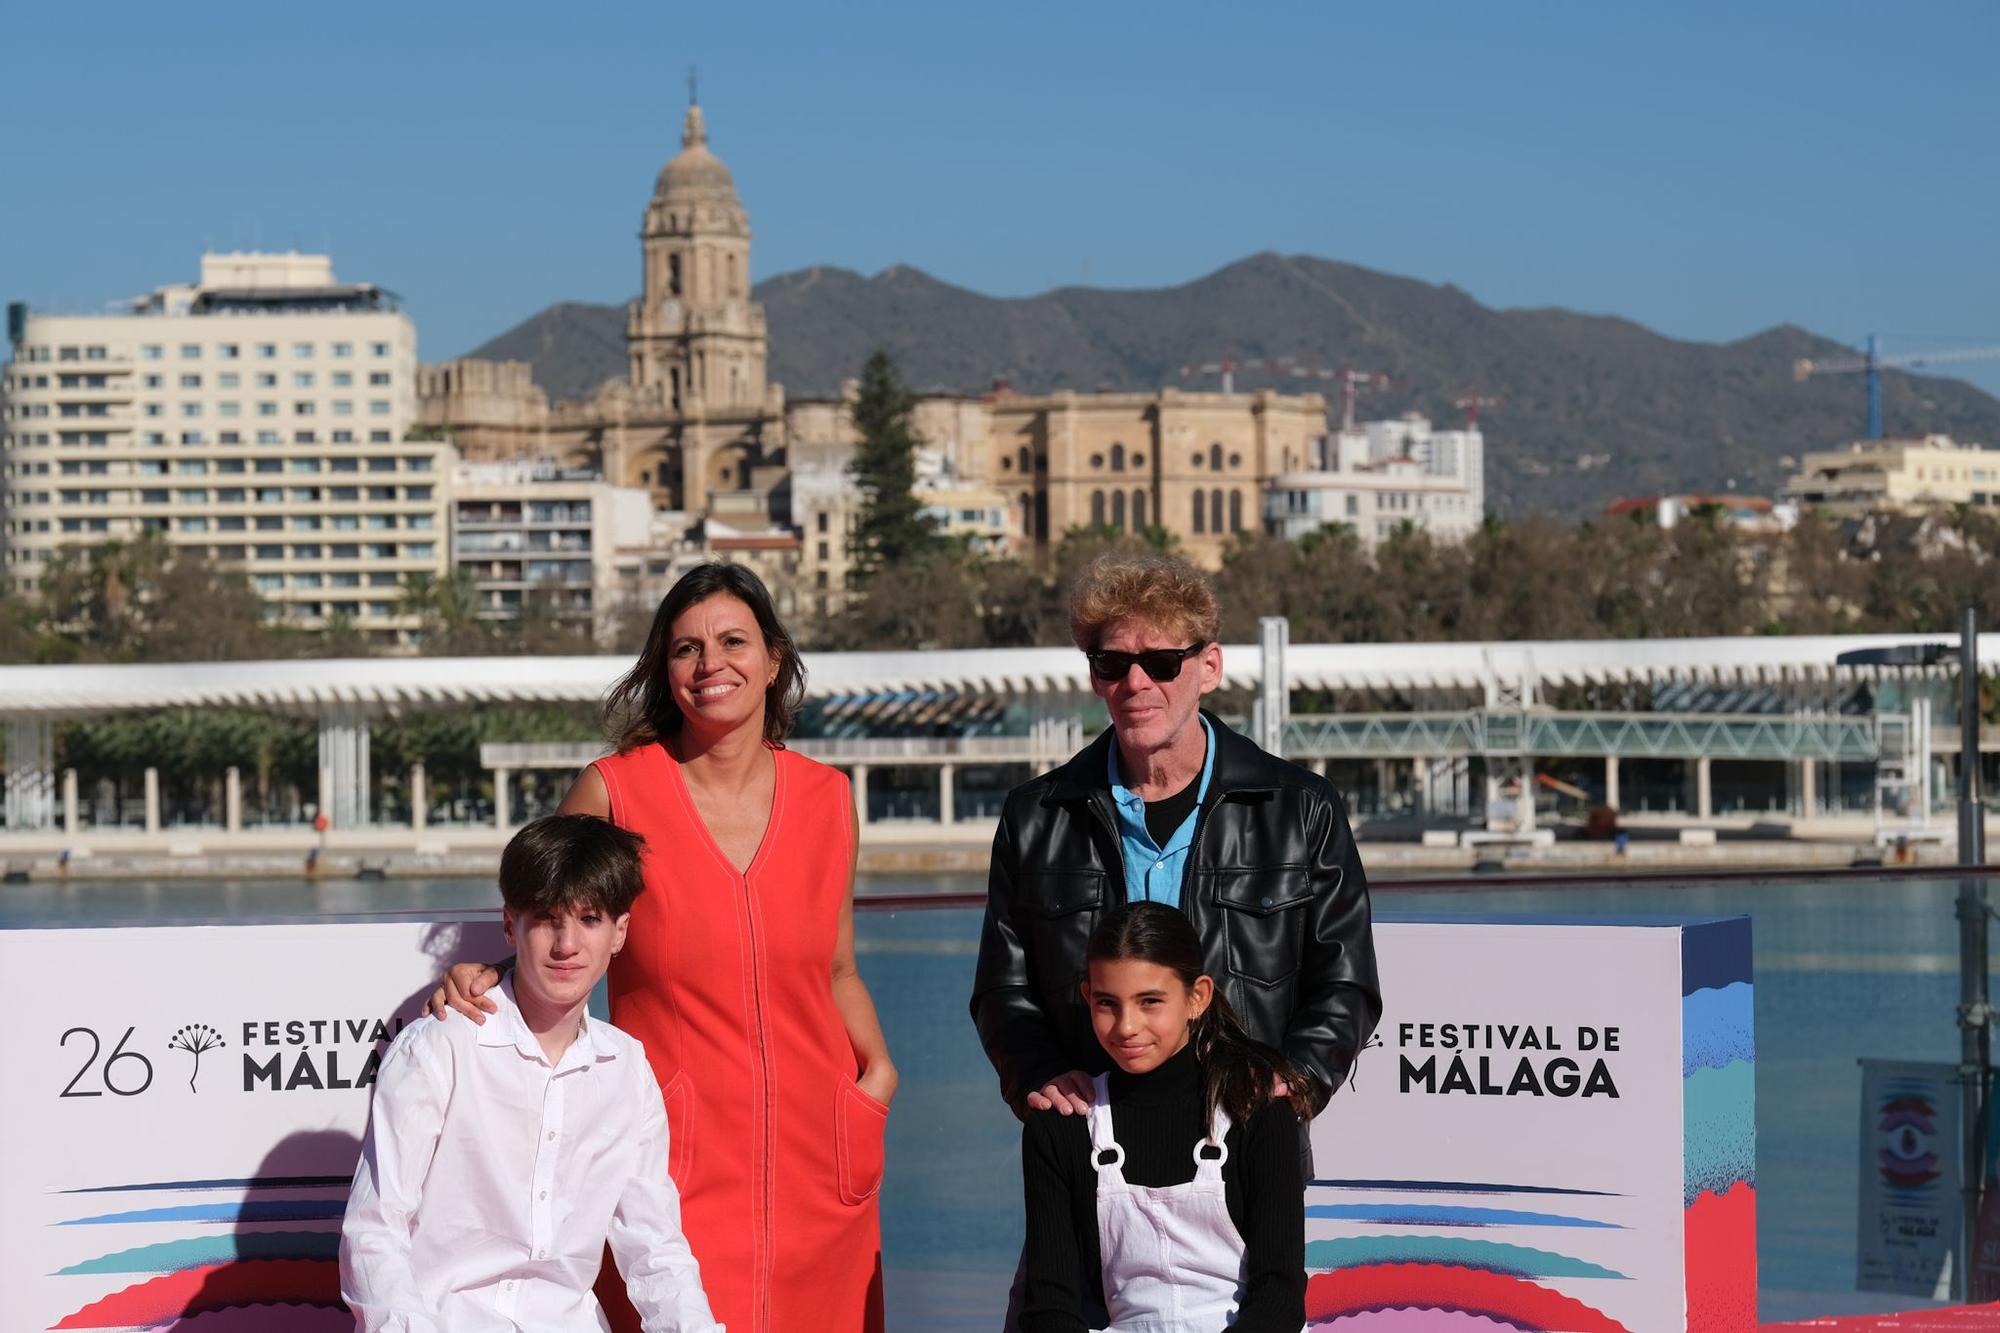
x: 258, y: 416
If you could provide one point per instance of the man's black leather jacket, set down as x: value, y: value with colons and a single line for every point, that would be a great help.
x: 1274, y: 887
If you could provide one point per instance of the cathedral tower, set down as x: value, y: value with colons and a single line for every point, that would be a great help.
x: 696, y: 340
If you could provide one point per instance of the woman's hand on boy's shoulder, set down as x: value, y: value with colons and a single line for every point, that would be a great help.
x: 464, y: 989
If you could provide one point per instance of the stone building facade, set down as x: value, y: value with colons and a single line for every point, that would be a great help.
x: 699, y: 427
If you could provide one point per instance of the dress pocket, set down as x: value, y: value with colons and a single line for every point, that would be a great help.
x: 679, y: 1098
x: 859, y: 1123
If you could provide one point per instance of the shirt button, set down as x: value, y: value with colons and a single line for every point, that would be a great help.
x: 1264, y: 902
x: 545, y: 1194
x: 552, y: 1136
x: 541, y: 1254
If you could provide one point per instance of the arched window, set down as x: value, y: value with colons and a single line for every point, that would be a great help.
x: 1097, y: 509
x: 1027, y: 459
x: 1236, y: 511
x: 1138, y: 511
x: 1200, y: 514
x: 1215, y: 511
x: 1215, y: 458
x: 1118, y: 510
x: 1117, y: 458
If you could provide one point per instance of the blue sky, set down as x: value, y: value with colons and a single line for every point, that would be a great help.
x: 1705, y: 169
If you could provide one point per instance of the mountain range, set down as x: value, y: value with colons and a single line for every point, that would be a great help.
x: 1592, y: 407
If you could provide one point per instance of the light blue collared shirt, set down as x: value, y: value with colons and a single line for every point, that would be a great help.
x: 1152, y: 872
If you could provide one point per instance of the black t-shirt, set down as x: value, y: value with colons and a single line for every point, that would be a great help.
x: 1167, y: 814
x: 1157, y: 1119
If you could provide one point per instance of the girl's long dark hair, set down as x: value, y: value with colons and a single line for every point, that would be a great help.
x: 640, y: 708
x: 1238, y: 1070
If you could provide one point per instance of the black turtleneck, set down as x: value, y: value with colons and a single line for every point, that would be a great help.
x: 1157, y: 1119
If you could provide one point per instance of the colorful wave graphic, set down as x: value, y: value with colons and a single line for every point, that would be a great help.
x: 210, y: 1289
x: 1718, y: 1125
x: 1380, y: 1297
x: 225, y: 1281
x: 1448, y: 1215
x: 1489, y: 1256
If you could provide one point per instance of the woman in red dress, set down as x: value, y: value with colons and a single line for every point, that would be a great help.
x: 738, y: 973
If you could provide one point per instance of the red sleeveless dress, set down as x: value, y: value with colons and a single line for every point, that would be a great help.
x: 727, y: 979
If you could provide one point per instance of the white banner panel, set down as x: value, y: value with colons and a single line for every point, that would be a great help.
x: 183, y: 1111
x: 1553, y: 1127
x: 1907, y: 1238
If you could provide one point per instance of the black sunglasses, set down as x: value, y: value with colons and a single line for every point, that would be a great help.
x: 1162, y: 664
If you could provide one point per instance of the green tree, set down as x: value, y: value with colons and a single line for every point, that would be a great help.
x: 144, y: 600
x: 892, y: 528
x: 447, y: 614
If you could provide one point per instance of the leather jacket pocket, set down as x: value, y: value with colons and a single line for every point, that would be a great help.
x: 1264, y: 918
x: 1060, y: 907
x: 860, y: 1122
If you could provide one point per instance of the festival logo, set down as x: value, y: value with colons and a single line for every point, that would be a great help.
x: 195, y: 1039
x: 1906, y: 1142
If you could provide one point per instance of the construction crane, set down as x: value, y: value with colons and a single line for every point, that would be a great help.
x: 1871, y: 365
x: 1471, y: 403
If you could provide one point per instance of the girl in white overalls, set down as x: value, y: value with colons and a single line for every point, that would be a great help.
x: 1209, y: 1120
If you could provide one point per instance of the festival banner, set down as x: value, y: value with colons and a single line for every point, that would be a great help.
x: 183, y: 1111
x: 1552, y: 1129
x: 1911, y: 1206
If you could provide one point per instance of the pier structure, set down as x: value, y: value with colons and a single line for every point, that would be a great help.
x: 1464, y: 733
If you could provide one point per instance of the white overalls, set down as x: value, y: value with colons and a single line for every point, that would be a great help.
x: 1172, y: 1257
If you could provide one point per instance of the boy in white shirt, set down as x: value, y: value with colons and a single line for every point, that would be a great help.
x: 500, y: 1158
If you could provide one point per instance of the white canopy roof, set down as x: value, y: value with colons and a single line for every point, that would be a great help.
x: 373, y: 685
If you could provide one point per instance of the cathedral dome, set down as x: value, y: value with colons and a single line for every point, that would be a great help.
x: 695, y: 172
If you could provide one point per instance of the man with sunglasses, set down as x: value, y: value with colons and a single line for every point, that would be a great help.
x: 1172, y: 806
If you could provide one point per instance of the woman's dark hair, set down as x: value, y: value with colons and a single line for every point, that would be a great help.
x: 1238, y: 1070
x: 640, y: 708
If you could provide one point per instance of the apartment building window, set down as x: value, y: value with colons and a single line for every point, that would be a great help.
x: 190, y: 351
x: 152, y: 497
x: 230, y: 437
x: 190, y: 409
x: 342, y: 436
x: 378, y: 437
x: 343, y: 408
x: 153, y: 437
x: 302, y: 409
x: 304, y: 495
x: 305, y: 465
x: 194, y: 525
x: 270, y: 495
x: 305, y: 580
x: 343, y: 465
x: 306, y: 523
x: 418, y: 465
x: 270, y: 552
x: 267, y: 409
x: 155, y: 409
x: 232, y: 466
x: 266, y: 380
x: 305, y: 552
x: 265, y: 351
x: 343, y: 349
x: 381, y: 465
x: 378, y: 349
x: 269, y: 465
x: 345, y: 522
x: 342, y: 379
x: 418, y: 551
x: 416, y: 492
x: 228, y: 351
x: 150, y: 352
x: 267, y: 582
x: 267, y: 437
x: 302, y: 437
x: 229, y: 409
x: 345, y: 551
x: 155, y: 381
x: 228, y: 379
x: 229, y: 495
x: 378, y: 407
x: 302, y: 349
x: 191, y: 467
x: 378, y: 377
x: 381, y: 579
x: 190, y: 381
x: 418, y: 521
x: 302, y: 379
x: 381, y: 551
x: 230, y: 523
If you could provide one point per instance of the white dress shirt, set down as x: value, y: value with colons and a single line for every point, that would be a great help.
x: 490, y: 1181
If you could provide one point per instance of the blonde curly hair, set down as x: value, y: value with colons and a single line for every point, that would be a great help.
x: 1162, y: 592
